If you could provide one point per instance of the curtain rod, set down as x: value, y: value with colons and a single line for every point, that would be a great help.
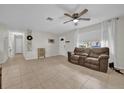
x: 117, y: 18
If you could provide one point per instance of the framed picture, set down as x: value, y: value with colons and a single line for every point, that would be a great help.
x: 51, y: 41
x: 67, y: 41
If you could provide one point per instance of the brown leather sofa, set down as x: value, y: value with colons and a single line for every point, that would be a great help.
x: 94, y: 58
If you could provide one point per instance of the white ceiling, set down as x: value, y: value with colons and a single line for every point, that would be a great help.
x: 23, y: 17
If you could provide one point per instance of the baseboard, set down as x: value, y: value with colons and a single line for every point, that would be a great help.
x: 119, y: 67
x: 4, y: 60
x: 116, y: 66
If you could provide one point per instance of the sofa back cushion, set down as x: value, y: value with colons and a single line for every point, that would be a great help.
x: 96, y: 52
x: 78, y: 51
x: 87, y: 50
x: 82, y: 51
x: 91, y: 52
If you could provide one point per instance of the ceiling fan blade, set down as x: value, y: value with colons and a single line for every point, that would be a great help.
x: 83, y: 12
x: 86, y: 19
x: 66, y: 14
x: 67, y: 21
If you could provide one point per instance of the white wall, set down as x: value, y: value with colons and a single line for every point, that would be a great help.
x: 40, y: 40
x: 120, y: 42
x: 3, y: 43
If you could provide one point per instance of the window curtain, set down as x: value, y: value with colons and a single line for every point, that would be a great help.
x: 104, y: 34
x: 108, y: 38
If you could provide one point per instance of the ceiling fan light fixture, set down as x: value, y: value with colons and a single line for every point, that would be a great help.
x: 75, y: 20
x: 76, y: 16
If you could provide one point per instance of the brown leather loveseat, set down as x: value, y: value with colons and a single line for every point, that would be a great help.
x: 94, y: 58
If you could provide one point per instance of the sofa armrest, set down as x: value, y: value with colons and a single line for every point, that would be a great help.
x: 103, y: 56
x: 84, y: 54
x: 69, y: 55
x: 103, y: 62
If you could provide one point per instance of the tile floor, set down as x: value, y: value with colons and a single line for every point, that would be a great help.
x: 55, y: 73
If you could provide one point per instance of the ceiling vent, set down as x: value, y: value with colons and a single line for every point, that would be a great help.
x: 49, y: 19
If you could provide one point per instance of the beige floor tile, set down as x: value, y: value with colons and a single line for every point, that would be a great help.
x: 30, y: 83
x: 16, y: 86
x: 24, y: 71
x: 55, y: 84
x: 95, y: 84
x: 10, y: 82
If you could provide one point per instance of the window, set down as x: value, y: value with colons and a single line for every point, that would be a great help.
x: 86, y: 44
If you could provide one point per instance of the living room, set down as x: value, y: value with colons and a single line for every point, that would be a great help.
x: 25, y: 30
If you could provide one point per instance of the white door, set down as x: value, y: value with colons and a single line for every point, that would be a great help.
x: 62, y: 50
x: 18, y: 44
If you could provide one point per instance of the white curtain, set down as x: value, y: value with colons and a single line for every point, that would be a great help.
x: 108, y: 38
x: 104, y: 34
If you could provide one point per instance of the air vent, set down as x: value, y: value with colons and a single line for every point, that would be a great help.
x: 49, y: 19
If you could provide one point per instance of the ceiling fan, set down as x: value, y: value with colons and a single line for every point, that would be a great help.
x: 76, y: 17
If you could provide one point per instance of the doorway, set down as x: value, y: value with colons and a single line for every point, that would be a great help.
x: 18, y: 44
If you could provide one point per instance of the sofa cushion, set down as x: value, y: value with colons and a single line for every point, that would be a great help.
x: 92, y: 60
x: 82, y: 51
x: 93, y: 54
x: 78, y: 51
x: 87, y: 50
x: 75, y: 57
x: 83, y: 54
x: 96, y: 52
x: 103, y: 50
x: 92, y: 66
